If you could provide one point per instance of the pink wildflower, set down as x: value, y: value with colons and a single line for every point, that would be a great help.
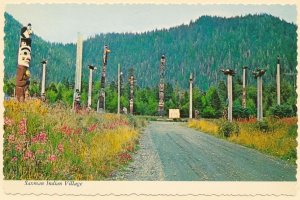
x: 22, y: 127
x: 52, y: 157
x: 19, y: 147
x: 60, y: 148
x: 42, y: 137
x: 11, y: 138
x: 77, y: 131
x: 28, y: 155
x: 8, y: 122
x: 14, y: 159
x: 92, y: 127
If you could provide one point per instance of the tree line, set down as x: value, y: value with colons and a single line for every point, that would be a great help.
x: 211, y: 103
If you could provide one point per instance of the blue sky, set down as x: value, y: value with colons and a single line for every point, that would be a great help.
x: 62, y: 22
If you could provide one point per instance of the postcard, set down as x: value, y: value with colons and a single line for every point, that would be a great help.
x: 149, y: 99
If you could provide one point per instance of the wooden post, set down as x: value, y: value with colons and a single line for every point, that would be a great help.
x: 244, y: 87
x: 258, y: 75
x: 92, y: 68
x: 278, y: 80
x: 191, y: 97
x: 161, y: 85
x: 119, y: 88
x: 229, y: 84
x: 229, y: 73
x: 44, y: 62
x: 78, y: 68
x: 101, y: 99
x: 131, y: 82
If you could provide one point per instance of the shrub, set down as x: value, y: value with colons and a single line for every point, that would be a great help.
x: 239, y: 112
x: 209, y: 112
x: 282, y: 111
x: 262, y: 125
x: 227, y: 128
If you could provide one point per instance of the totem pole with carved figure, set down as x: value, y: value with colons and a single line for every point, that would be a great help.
x: 161, y: 85
x: 101, y: 99
x: 24, y: 57
x: 131, y: 83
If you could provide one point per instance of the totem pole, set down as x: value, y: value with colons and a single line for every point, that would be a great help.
x: 244, y: 87
x: 101, y: 98
x: 131, y: 83
x: 161, y: 85
x: 191, y: 97
x: 24, y: 57
x: 43, y: 94
x: 92, y: 68
x: 278, y: 80
x: 119, y: 88
x: 258, y: 75
x: 78, y: 72
x: 229, y: 73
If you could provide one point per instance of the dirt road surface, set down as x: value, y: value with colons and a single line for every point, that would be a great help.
x: 172, y: 152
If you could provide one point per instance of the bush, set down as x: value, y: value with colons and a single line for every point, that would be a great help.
x: 240, y: 112
x: 208, y: 112
x: 262, y: 125
x: 282, y: 111
x: 227, y: 128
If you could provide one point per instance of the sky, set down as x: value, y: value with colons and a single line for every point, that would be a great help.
x: 63, y: 22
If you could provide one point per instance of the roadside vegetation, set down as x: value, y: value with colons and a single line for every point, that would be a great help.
x: 44, y: 142
x: 274, y: 136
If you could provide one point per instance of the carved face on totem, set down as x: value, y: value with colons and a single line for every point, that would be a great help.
x: 161, y: 87
x: 24, y: 56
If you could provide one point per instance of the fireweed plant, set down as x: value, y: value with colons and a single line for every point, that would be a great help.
x: 44, y: 142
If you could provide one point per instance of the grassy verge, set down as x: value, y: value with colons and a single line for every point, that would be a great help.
x: 43, y: 142
x: 276, y: 137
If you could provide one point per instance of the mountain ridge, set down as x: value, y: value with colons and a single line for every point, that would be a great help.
x: 202, y: 47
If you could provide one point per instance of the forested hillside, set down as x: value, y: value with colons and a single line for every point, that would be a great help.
x: 202, y: 47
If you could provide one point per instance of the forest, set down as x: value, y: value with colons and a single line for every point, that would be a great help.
x: 202, y: 47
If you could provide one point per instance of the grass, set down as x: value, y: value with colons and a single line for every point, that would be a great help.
x: 277, y: 138
x: 44, y: 142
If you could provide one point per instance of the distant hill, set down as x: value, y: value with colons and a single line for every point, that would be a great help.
x: 203, y: 47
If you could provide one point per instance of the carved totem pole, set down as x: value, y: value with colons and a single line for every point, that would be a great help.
x: 131, y: 83
x: 161, y: 85
x: 229, y: 73
x: 92, y: 68
x: 258, y: 75
x: 24, y: 57
x: 101, y: 99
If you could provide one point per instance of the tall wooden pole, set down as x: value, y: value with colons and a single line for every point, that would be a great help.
x: 229, y: 83
x: 278, y: 80
x: 101, y: 99
x: 258, y: 75
x: 131, y: 82
x: 244, y: 87
x: 259, y: 98
x: 119, y: 88
x: 161, y: 85
x: 229, y: 73
x: 191, y: 96
x: 44, y: 62
x: 78, y: 68
x: 91, y: 68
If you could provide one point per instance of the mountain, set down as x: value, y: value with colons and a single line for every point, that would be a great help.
x: 202, y: 47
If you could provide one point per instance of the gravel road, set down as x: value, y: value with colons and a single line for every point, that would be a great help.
x: 172, y: 152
